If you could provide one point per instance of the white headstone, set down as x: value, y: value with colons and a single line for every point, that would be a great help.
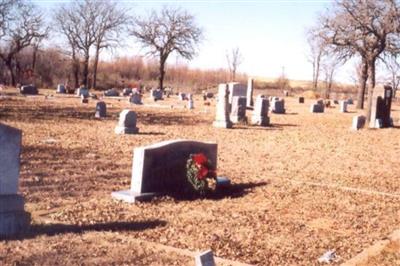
x: 343, y: 106
x: 260, y: 113
x: 222, y: 110
x: 249, y: 94
x: 127, y: 123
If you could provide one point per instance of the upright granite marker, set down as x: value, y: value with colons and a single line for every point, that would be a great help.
x: 236, y: 89
x: 381, y: 105
x: 343, y: 106
x: 222, y: 119
x: 249, y: 95
x: 127, y: 123
x: 260, y: 113
x: 161, y: 168
x: 101, y: 110
x: 13, y: 218
x: 238, y: 109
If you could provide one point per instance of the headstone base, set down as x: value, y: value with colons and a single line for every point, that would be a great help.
x: 13, y: 219
x: 131, y: 197
x: 237, y: 119
x: 126, y: 130
x: 222, y: 124
x: 260, y: 121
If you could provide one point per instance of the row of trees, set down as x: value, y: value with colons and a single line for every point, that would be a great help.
x: 88, y: 27
x: 365, y: 29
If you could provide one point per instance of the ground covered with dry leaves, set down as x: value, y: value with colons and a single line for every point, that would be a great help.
x: 292, y: 195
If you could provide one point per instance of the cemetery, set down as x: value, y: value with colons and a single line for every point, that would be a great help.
x: 292, y: 186
x: 195, y: 133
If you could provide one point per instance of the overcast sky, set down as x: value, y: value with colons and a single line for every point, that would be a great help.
x: 270, y: 34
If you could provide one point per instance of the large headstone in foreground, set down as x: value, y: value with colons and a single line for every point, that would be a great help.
x: 238, y: 109
x: 161, y: 168
x: 13, y: 218
x: 127, y: 123
x: 222, y: 119
x: 381, y: 105
x: 260, y: 113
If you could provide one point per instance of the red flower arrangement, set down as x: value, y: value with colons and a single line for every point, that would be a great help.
x: 198, y: 170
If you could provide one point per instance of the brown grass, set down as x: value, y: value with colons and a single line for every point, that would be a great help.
x: 270, y: 217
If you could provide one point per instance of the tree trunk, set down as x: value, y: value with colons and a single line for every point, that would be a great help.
x: 96, y: 62
x: 162, y: 73
x: 75, y: 69
x: 85, y: 79
x: 363, y: 84
x: 10, y: 69
x: 371, y: 66
x: 317, y: 67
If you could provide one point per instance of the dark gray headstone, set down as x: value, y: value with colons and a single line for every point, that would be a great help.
x: 29, y: 89
x: 301, y: 99
x: 111, y: 93
x: 161, y: 167
x: 205, y: 259
x: 127, y: 123
x: 101, y: 109
x: 238, y: 109
x: 381, y: 107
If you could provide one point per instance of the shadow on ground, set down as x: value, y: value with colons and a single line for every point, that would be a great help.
x: 56, y: 229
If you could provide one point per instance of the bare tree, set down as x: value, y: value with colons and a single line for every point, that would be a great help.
x: 109, y: 25
x: 365, y: 28
x: 317, y: 50
x: 19, y: 32
x: 393, y: 66
x: 6, y: 6
x: 234, y: 59
x: 170, y: 30
x: 329, y: 68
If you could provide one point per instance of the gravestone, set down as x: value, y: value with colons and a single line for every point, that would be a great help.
x: 61, y: 88
x: 182, y: 96
x: 301, y: 99
x: 101, y: 110
x: 82, y: 92
x: 358, y: 122
x: 317, y: 107
x: 260, y: 113
x: 222, y: 119
x: 205, y: 259
x: 84, y: 99
x: 343, y: 106
x: 350, y: 101
x: 111, y: 93
x: 238, y: 109
x: 135, y: 98
x: 236, y: 89
x: 190, y: 101
x: 28, y: 89
x: 126, y: 91
x: 13, y: 218
x: 277, y: 105
x: 161, y: 168
x: 156, y: 94
x: 285, y: 93
x: 127, y: 123
x: 380, y: 108
x: 249, y: 94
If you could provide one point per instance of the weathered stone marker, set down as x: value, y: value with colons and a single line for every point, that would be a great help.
x: 301, y: 99
x: 29, y: 89
x: 343, y: 106
x: 277, y: 106
x: 190, y: 101
x: 135, y: 98
x: 260, y: 113
x: 161, y: 168
x: 101, y: 110
x: 238, y: 110
x: 358, y: 122
x: 127, y: 123
x: 222, y: 119
x: 317, y: 107
x: 111, y: 93
x: 236, y: 89
x: 13, y: 218
x: 205, y: 259
x: 61, y: 88
x: 156, y: 94
x: 381, y: 105
x: 249, y: 95
x: 182, y: 96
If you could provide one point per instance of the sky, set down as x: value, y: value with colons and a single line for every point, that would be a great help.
x: 270, y: 34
